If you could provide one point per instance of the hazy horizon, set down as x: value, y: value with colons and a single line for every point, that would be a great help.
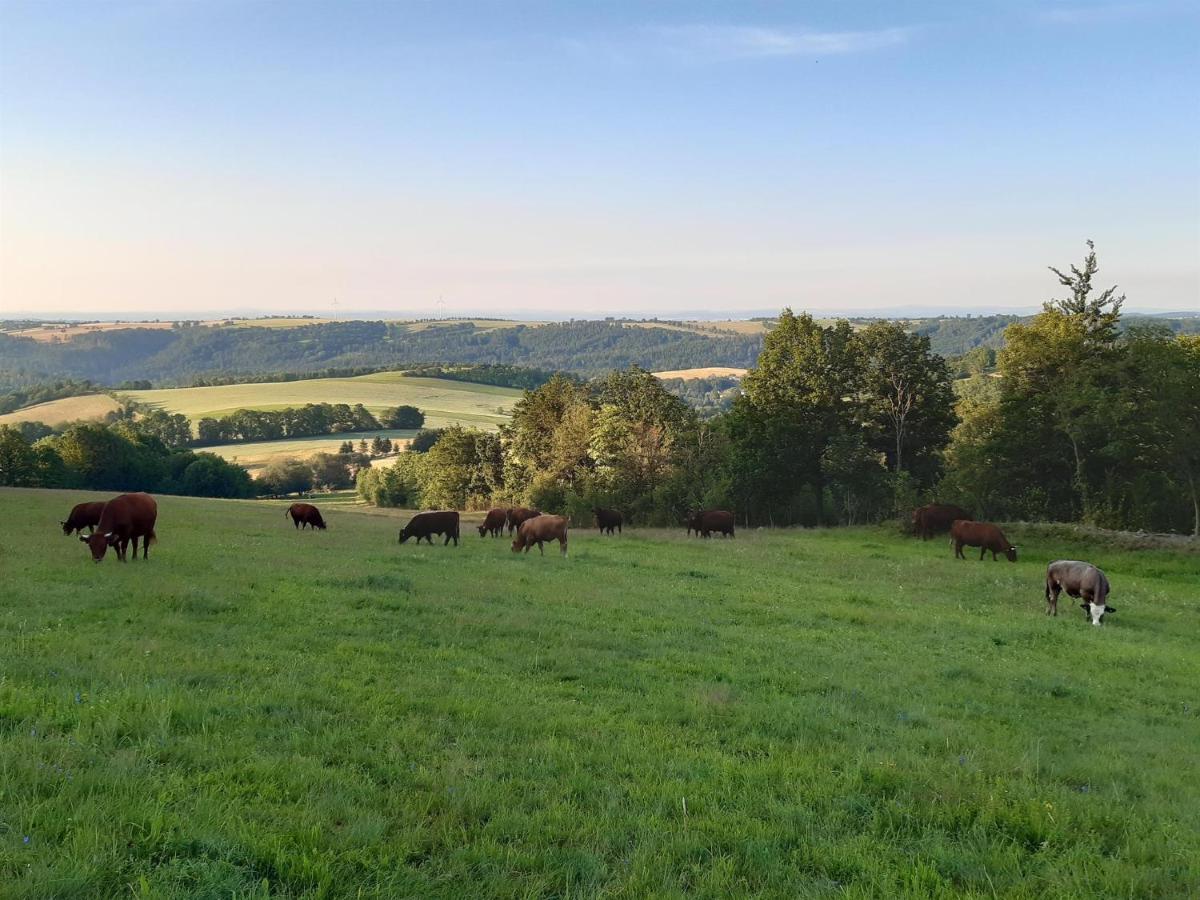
x: 532, y: 159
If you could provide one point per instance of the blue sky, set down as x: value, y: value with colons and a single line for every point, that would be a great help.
x: 577, y: 159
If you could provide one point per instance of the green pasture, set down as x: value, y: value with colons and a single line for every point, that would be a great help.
x: 260, y: 712
x: 443, y: 401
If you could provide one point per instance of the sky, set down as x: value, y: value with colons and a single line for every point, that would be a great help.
x: 582, y: 159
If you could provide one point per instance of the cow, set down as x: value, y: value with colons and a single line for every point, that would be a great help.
x: 83, y: 515
x: 538, y: 530
x: 426, y: 524
x: 305, y: 514
x: 709, y: 520
x: 607, y: 520
x: 1084, y: 582
x: 964, y: 533
x: 124, y: 518
x: 519, y: 514
x: 494, y: 522
x: 936, y: 517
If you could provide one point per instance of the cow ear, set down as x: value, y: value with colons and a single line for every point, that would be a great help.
x: 83, y: 538
x: 1109, y: 609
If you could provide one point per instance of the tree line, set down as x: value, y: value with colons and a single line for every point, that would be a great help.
x: 309, y: 420
x: 1076, y: 419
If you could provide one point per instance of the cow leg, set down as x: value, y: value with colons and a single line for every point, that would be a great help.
x: 1052, y: 590
x: 958, y: 554
x: 135, y: 540
x: 982, y: 553
x: 562, y: 545
x: 542, y: 548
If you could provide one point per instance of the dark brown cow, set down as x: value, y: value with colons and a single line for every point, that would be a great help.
x: 494, y: 522
x: 426, y: 524
x: 123, y: 519
x: 83, y: 515
x: 305, y: 514
x: 1084, y: 582
x: 519, y: 514
x: 707, y: 521
x: 983, y: 535
x: 538, y: 530
x: 936, y: 518
x: 608, y: 519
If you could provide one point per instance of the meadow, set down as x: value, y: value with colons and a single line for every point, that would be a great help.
x: 260, y: 712
x: 444, y: 402
x: 256, y: 455
x: 86, y: 407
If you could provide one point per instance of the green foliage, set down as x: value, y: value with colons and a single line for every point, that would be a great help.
x: 286, y: 476
x: 402, y: 417
x: 425, y: 439
x: 832, y: 712
x: 299, y: 421
x: 1087, y: 424
x: 397, y: 485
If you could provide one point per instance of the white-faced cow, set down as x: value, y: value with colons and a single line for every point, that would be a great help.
x: 1082, y: 581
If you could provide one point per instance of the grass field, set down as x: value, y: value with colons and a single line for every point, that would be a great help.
x: 259, y: 712
x: 66, y: 409
x: 707, y: 372
x: 444, y: 402
x: 255, y: 455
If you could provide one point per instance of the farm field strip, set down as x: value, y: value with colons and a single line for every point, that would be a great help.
x: 65, y: 409
x: 258, y: 711
x: 455, y: 400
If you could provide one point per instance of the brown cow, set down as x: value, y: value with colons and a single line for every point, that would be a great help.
x: 986, y: 537
x: 709, y: 520
x: 305, y: 514
x: 935, y: 518
x: 123, y: 519
x: 608, y: 519
x: 519, y: 514
x: 538, y: 530
x: 83, y: 515
x: 494, y: 522
x: 426, y: 524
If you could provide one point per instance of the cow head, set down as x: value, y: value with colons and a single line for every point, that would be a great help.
x: 1096, y: 611
x: 404, y: 534
x: 482, y: 530
x: 99, y: 543
x: 1011, y: 553
x: 518, y: 542
x: 66, y: 527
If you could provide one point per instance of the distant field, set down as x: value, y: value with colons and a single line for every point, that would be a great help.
x: 66, y: 332
x: 68, y: 409
x: 709, y: 372
x: 444, y: 402
x: 255, y: 455
x: 260, y: 712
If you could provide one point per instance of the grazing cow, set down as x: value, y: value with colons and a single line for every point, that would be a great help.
x: 538, y: 530
x: 83, y: 515
x: 607, y: 520
x: 964, y: 533
x: 427, y: 524
x: 1084, y: 582
x: 494, y: 522
x: 124, y: 518
x: 935, y: 518
x: 707, y: 521
x: 305, y: 514
x: 519, y: 514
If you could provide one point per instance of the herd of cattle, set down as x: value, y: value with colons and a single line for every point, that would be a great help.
x: 129, y: 518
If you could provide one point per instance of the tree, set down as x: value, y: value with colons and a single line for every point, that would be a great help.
x: 402, y: 417
x: 425, y: 440
x: 286, y: 476
x: 1097, y: 315
x: 377, y: 446
x: 16, y: 458
x: 907, y: 398
x: 330, y: 470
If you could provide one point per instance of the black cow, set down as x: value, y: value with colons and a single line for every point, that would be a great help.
x: 426, y: 524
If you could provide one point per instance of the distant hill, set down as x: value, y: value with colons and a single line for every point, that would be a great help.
x: 182, y: 354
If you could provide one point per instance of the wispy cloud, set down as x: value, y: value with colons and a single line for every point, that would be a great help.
x: 732, y: 42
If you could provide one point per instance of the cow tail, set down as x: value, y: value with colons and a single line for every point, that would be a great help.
x: 286, y: 511
x: 151, y: 538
